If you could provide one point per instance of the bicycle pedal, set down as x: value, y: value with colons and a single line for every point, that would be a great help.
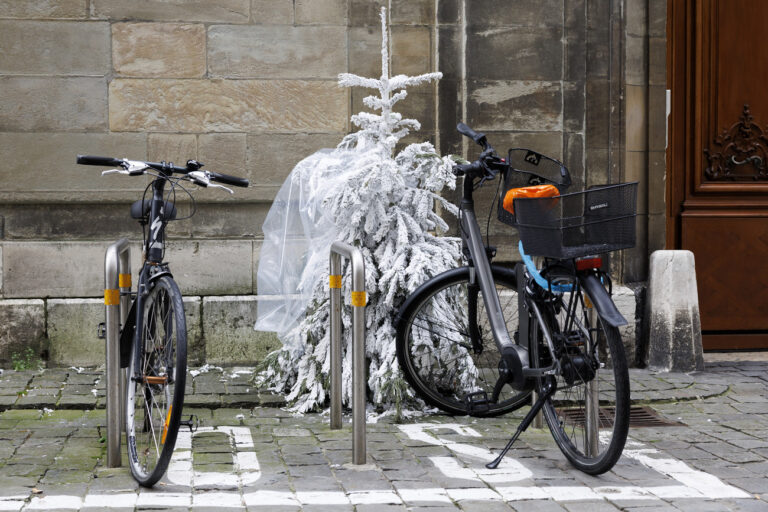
x: 192, y: 423
x: 477, y: 403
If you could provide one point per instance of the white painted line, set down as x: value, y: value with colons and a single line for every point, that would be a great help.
x: 374, y: 498
x: 117, y: 500
x: 438, y: 495
x: 270, y: 499
x: 217, y: 499
x: 58, y: 502
x: 322, y: 498
x: 475, y: 494
x: 12, y: 502
x: 162, y: 499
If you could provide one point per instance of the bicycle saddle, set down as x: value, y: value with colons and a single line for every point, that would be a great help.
x: 140, y: 209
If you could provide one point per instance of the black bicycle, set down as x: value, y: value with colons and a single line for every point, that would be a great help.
x: 153, y: 341
x: 479, y: 339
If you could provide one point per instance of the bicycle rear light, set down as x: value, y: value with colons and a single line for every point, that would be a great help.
x: 589, y: 263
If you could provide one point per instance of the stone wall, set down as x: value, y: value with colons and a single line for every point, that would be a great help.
x: 249, y: 88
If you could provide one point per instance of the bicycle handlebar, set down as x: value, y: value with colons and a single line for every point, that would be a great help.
x: 105, y: 161
x: 163, y: 167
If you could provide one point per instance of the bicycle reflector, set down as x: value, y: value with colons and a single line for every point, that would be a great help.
x: 589, y: 263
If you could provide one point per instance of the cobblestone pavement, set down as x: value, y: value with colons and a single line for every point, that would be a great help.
x: 52, y: 451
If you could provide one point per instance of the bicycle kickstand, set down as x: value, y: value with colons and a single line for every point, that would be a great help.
x: 535, y: 408
x: 192, y: 423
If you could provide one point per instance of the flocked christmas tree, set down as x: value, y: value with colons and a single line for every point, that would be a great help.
x: 386, y: 206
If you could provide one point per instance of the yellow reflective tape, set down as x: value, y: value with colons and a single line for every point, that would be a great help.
x: 587, y: 302
x: 358, y: 299
x: 166, y: 424
x: 334, y: 281
x: 124, y: 280
x: 111, y: 297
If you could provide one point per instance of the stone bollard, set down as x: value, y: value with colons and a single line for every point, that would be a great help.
x: 672, y: 313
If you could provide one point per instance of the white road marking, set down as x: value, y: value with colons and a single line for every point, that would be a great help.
x: 694, y: 483
x: 246, y: 463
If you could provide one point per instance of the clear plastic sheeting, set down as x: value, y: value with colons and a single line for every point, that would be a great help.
x: 298, y: 233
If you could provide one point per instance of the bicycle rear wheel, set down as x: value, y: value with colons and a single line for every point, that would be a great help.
x: 155, y: 391
x: 436, y: 350
x: 588, y: 414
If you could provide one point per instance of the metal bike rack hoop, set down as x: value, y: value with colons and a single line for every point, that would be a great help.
x: 117, y: 303
x: 358, y: 299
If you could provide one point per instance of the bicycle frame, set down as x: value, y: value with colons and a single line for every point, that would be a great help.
x: 153, y: 256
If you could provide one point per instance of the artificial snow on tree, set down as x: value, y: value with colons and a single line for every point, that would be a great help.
x: 364, y: 194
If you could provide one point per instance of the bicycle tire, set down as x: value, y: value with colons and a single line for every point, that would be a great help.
x: 435, y: 378
x: 565, y: 411
x: 153, y: 407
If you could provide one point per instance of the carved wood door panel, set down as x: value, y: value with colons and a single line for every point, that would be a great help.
x: 718, y: 162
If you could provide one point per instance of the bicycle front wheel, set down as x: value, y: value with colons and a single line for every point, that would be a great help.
x: 445, y: 344
x: 588, y: 414
x: 155, y: 390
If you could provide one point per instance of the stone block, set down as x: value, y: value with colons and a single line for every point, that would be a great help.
x: 448, y: 11
x: 657, y: 60
x: 672, y: 311
x: 72, y: 332
x: 412, y: 12
x: 573, y: 157
x: 411, y: 50
x: 657, y: 18
x: 22, y: 326
x: 266, y: 51
x: 214, y: 11
x: 636, y: 169
x: 365, y: 51
x: 223, y: 152
x: 515, y: 105
x: 76, y: 269
x: 449, y: 53
x: 598, y: 53
x: 212, y: 267
x: 636, y: 104
x: 226, y: 106
x: 524, y: 13
x: 272, y: 11
x: 517, y: 53
x: 657, y: 184
x: 229, y: 335
x: 54, y: 48
x: 45, y: 9
x: 158, y: 49
x: 657, y: 118
x: 626, y: 303
x: 321, y: 12
x: 267, y: 168
x: 53, y: 104
x: 171, y: 147
x: 62, y: 222
x: 598, y: 113
x: 195, y: 340
x: 26, y: 155
x: 363, y: 13
x: 636, y: 60
x: 574, y: 106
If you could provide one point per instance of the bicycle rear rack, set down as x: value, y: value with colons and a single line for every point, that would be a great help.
x: 358, y: 299
x: 117, y: 303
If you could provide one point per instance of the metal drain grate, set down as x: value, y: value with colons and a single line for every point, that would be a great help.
x: 638, y: 417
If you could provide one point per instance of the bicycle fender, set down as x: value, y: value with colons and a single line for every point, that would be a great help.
x: 606, y: 309
x: 126, y: 337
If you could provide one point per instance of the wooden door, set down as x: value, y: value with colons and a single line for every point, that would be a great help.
x: 717, y: 161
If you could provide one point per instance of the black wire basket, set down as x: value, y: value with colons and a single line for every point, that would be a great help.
x: 526, y: 168
x: 598, y: 220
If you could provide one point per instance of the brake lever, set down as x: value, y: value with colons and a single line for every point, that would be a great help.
x: 203, y: 179
x: 114, y: 171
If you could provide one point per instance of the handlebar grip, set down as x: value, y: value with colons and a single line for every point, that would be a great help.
x: 229, y: 180
x: 464, y: 169
x: 472, y: 134
x: 104, y: 161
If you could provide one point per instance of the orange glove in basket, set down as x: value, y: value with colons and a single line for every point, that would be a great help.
x: 532, y: 191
